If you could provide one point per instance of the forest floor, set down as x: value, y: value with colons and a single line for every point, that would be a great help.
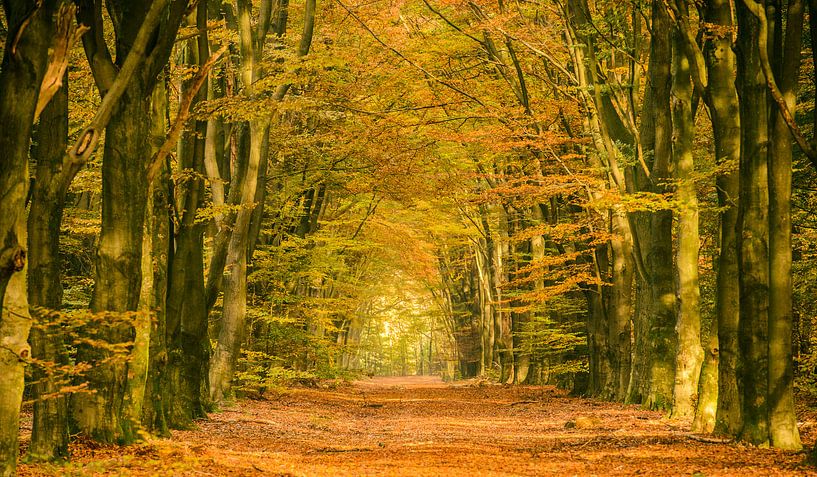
x: 420, y: 426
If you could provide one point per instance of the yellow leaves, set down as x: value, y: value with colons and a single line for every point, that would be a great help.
x: 637, y: 202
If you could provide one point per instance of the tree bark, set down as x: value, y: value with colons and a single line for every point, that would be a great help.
x: 187, y: 341
x: 119, y: 269
x: 753, y: 224
x: 621, y: 305
x: 232, y: 330
x: 662, y: 340
x: 29, y: 36
x: 722, y: 101
x: 689, y: 354
x: 49, y: 436
x: 118, y: 274
x: 782, y: 420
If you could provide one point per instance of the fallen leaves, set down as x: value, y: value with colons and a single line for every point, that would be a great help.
x: 421, y: 426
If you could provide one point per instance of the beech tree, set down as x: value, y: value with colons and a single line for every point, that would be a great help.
x: 145, y: 33
x: 592, y: 195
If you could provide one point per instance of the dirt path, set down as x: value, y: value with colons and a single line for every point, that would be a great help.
x: 423, y: 427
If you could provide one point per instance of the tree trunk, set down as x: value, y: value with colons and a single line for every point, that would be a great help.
x: 753, y: 223
x: 662, y: 341
x: 29, y: 36
x: 782, y: 420
x: 722, y: 100
x: 158, y: 228
x: 118, y: 278
x: 188, y: 344
x: 235, y: 277
x: 145, y: 33
x: 689, y: 354
x: 707, y: 405
x: 620, y: 306
x: 49, y: 436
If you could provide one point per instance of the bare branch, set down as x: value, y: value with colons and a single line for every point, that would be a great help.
x: 67, y: 34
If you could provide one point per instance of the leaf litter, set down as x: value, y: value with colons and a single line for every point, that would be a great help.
x: 420, y: 426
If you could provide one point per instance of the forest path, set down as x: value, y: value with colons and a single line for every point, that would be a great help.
x: 420, y: 426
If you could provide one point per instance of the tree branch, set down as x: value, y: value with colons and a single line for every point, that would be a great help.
x: 89, y: 138
x: 67, y: 34
x: 429, y: 74
x: 762, y: 43
x: 155, y: 164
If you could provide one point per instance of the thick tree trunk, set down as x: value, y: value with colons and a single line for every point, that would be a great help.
x: 145, y: 33
x: 689, y: 355
x: 119, y: 269
x: 188, y: 345
x: 662, y: 340
x: 29, y: 36
x: 14, y: 326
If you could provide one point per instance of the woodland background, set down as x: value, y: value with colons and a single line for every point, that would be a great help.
x: 202, y: 200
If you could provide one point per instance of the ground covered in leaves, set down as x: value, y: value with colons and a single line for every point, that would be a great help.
x: 419, y: 426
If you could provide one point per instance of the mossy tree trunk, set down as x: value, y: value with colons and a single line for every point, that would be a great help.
x: 753, y: 226
x: 25, y: 57
x: 782, y: 419
x: 104, y: 415
x: 49, y: 437
x: 689, y: 354
x: 722, y: 100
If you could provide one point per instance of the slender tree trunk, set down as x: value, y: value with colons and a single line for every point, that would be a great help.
x: 782, y: 420
x: 159, y: 229
x: 49, y: 436
x: 662, y: 341
x: 620, y: 306
x: 753, y: 223
x: 504, y: 263
x: 722, y: 100
x: 235, y: 286
x: 707, y: 405
x: 601, y: 365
